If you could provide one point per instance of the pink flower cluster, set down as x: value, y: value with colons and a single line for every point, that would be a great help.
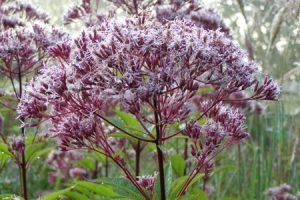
x: 17, y: 13
x: 190, y: 10
x: 153, y: 70
x: 25, y: 48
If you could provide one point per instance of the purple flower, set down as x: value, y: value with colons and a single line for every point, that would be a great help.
x: 190, y: 10
x: 147, y: 182
x: 18, y: 144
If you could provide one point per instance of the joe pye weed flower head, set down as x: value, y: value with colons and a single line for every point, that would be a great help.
x: 153, y: 71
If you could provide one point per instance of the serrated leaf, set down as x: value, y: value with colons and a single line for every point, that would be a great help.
x: 122, y: 187
x: 130, y: 121
x: 178, y: 164
x: 100, y: 189
x: 55, y: 195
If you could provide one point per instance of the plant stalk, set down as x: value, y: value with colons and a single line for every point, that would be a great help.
x: 160, y: 157
x: 23, y: 162
x: 137, y: 158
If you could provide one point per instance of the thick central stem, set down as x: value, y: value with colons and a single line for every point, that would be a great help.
x: 23, y: 162
x: 137, y: 158
x: 160, y: 157
x: 23, y: 168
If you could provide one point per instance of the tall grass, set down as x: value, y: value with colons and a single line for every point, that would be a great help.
x: 267, y: 159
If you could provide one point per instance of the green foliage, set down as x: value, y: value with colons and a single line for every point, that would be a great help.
x: 179, y: 182
x: 4, y: 149
x: 122, y: 187
x: 178, y: 164
x: 99, y: 189
x: 55, y: 195
x: 168, y: 181
x: 194, y: 194
x: 9, y: 196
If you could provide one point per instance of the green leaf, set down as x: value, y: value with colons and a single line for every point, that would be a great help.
x: 76, y: 195
x: 151, y: 146
x: 29, y: 139
x: 229, y: 198
x: 3, y: 158
x: 168, y: 181
x: 168, y: 176
x: 40, y: 153
x: 205, y: 90
x: 130, y: 121
x: 55, y: 195
x: 4, y: 149
x: 178, y: 164
x: 123, y: 187
x: 8, y: 98
x: 4, y: 110
x: 223, y: 168
x: 9, y: 196
x: 116, y: 120
x: 32, y: 149
x: 195, y: 194
x: 95, y: 155
x: 202, y: 121
x: 100, y: 189
x: 178, y: 183
x: 85, y: 163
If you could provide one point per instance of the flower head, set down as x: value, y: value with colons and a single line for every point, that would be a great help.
x: 133, y: 61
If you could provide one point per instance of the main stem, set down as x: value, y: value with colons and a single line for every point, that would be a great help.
x: 137, y: 158
x: 23, y: 167
x: 23, y: 163
x: 160, y: 156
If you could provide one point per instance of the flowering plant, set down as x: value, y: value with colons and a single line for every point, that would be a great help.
x: 147, y: 73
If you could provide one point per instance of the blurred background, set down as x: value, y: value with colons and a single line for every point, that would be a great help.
x: 270, y: 31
